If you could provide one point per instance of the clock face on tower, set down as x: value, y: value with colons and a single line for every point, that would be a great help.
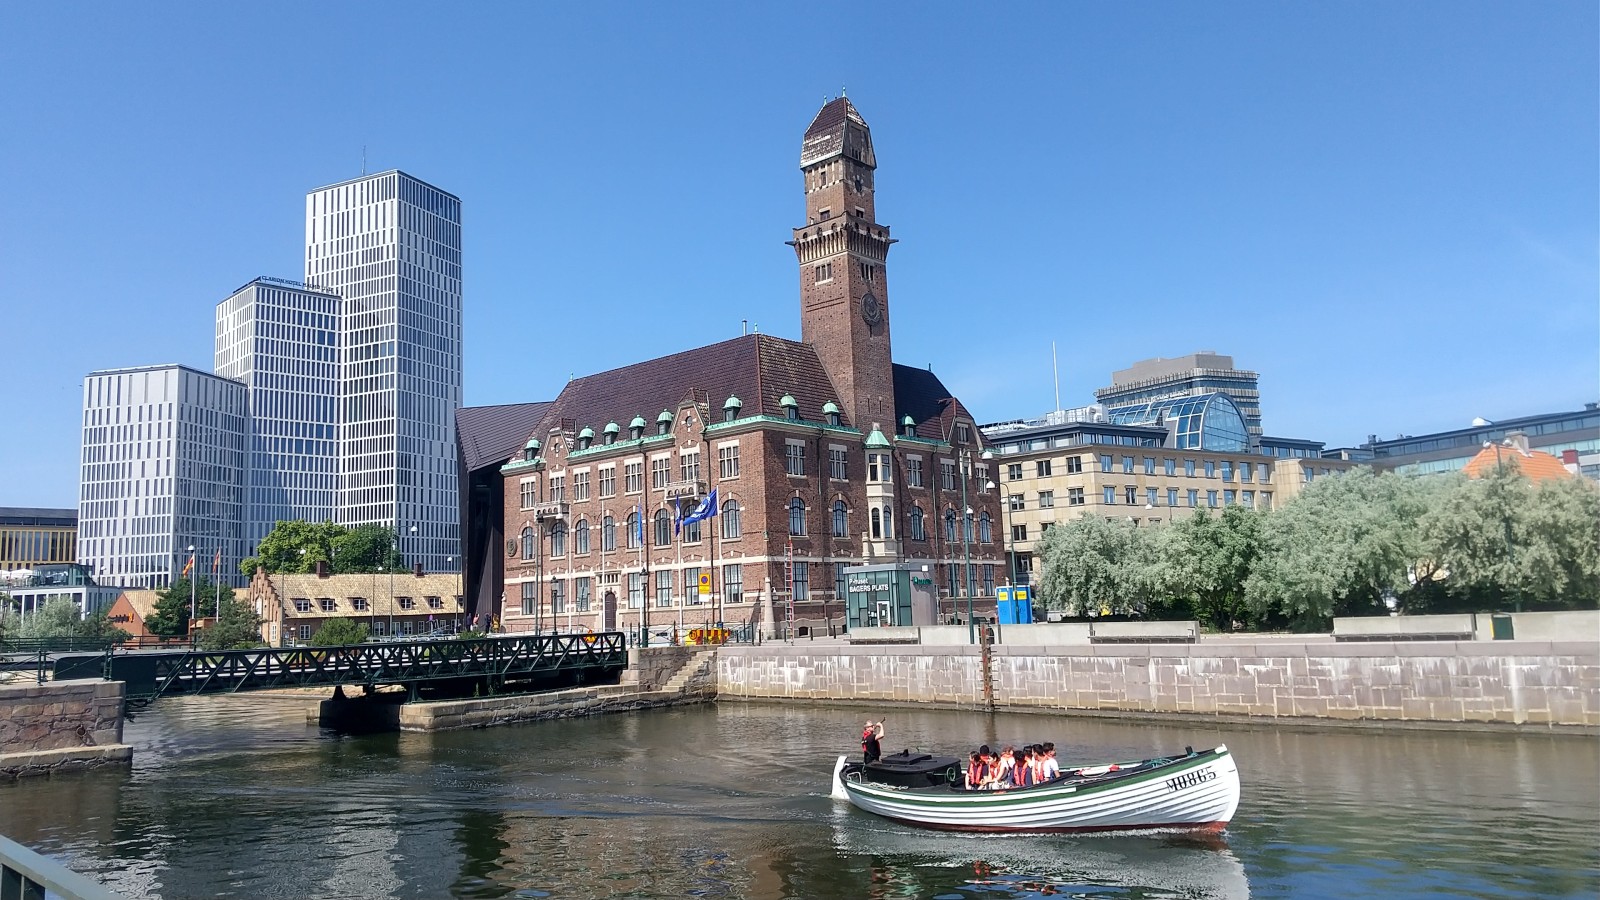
x: 871, y: 309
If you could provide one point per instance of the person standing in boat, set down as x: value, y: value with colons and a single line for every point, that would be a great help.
x: 871, y: 742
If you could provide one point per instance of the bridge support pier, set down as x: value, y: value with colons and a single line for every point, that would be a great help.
x: 373, y: 711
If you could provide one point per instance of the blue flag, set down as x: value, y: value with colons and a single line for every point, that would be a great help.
x: 706, y: 509
x: 638, y: 525
x: 677, y: 516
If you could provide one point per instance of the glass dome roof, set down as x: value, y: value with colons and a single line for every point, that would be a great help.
x: 1202, y: 422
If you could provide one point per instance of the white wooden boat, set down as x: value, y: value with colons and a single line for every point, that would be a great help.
x: 1195, y: 791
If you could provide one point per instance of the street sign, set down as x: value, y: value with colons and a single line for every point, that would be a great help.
x: 705, y: 582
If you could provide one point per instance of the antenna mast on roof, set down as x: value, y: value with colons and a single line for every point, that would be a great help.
x: 1056, y: 371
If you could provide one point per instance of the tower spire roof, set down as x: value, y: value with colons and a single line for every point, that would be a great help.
x: 826, y: 136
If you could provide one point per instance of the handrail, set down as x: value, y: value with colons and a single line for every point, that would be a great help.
x: 24, y: 873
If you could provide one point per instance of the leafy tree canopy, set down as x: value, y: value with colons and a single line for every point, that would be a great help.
x: 59, y: 618
x: 171, y: 615
x: 340, y: 632
x: 297, y: 547
x: 236, y: 627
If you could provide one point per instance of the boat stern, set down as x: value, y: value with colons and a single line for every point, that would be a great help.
x: 838, y: 781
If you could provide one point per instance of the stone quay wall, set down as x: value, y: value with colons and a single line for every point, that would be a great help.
x: 1547, y: 684
x: 60, y: 725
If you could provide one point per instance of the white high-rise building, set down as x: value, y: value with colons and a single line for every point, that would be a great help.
x: 390, y: 245
x: 163, y: 470
x: 281, y: 339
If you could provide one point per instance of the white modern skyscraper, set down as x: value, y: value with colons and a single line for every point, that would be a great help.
x: 281, y: 339
x: 390, y: 245
x: 163, y: 469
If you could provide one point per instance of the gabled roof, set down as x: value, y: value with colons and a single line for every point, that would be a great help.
x: 920, y: 394
x: 491, y: 435
x: 826, y: 135
x: 1535, y: 464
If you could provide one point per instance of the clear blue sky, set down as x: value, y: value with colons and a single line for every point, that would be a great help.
x: 1389, y: 210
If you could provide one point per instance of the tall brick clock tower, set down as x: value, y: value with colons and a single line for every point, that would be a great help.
x: 844, y: 291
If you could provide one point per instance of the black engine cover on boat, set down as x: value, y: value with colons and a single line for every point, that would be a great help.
x: 909, y: 768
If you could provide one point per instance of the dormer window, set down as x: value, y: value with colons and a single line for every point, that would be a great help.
x: 831, y: 410
x: 791, y: 408
x: 664, y: 423
x: 585, y: 438
x: 611, y: 431
x: 730, y: 409
x: 908, y: 427
x: 963, y: 433
x: 530, y: 452
x: 636, y: 428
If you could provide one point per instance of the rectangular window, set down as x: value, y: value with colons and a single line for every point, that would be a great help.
x: 1211, y: 499
x: 359, y: 604
x: 947, y: 475
x: 1044, y: 468
x: 794, y: 458
x: 1074, y: 465
x: 1188, y: 468
x: 914, y: 471
x: 1105, y: 462
x: 633, y: 477
x: 1013, y: 471
x: 558, y: 597
x: 728, y: 461
x: 328, y: 604
x: 837, y: 464
x: 689, y: 465
x: 302, y: 605
x: 1266, y: 474
x: 530, y: 596
x: 1227, y: 498
x: 802, y: 581
x: 1266, y: 499
x: 530, y: 493
x: 1247, y: 472
x: 1211, y: 468
x: 580, y: 592
x: 664, y: 587
x: 1149, y: 465
x: 1227, y: 470
x: 1047, y: 499
x: 406, y: 603
x: 963, y: 434
x: 1019, y: 532
x: 660, y: 472
x: 305, y: 631
x: 733, y: 583
x: 1247, y: 499
x: 1127, y: 465
x: 580, y: 486
x: 691, y: 587
x: 1171, y: 465
x: 1150, y: 496
x: 608, y: 481
x: 1194, y: 497
x: 1172, y: 496
x: 635, y: 590
x: 1109, y: 495
x: 1074, y: 496
x: 1130, y: 494
x: 824, y: 272
x: 1015, y: 502
x: 558, y: 488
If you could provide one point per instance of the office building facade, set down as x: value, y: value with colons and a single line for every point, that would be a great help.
x: 390, y: 246
x: 32, y: 537
x: 281, y: 340
x: 163, y: 469
x: 1574, y: 433
x: 1152, y: 381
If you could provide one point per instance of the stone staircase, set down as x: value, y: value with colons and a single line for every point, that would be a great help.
x: 697, y: 665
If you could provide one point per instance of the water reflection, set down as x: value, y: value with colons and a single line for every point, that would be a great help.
x: 239, y: 797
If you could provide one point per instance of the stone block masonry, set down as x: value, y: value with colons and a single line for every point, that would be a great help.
x: 62, y: 725
x: 1544, y: 684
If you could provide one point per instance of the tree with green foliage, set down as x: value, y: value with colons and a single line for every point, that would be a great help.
x: 60, y: 618
x: 1209, y: 558
x: 236, y: 627
x: 1090, y: 566
x: 297, y: 547
x: 340, y: 632
x: 171, y: 615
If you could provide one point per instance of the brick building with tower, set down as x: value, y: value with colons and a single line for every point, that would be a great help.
x: 815, y: 455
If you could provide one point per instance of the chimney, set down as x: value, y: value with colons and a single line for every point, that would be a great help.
x: 416, y: 569
x: 1519, y: 440
x: 1569, y: 458
x: 322, y: 568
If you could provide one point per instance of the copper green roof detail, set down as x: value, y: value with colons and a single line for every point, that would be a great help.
x: 666, y: 416
x: 830, y: 407
x: 587, y: 432
x: 638, y: 422
x: 533, y: 444
x: 733, y: 403
x: 876, y: 441
x: 788, y: 400
x: 908, y: 421
x: 612, y: 428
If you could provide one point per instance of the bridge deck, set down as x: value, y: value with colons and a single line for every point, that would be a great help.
x: 154, y: 674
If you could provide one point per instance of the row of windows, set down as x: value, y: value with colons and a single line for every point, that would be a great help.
x: 361, y: 604
x: 1152, y: 497
x: 1246, y: 471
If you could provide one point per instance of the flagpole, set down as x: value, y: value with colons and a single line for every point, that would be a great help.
x: 644, y: 578
x: 677, y: 536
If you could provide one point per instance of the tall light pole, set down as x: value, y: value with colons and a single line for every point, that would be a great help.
x: 192, y: 573
x: 966, y: 536
x: 1011, y: 558
x: 449, y: 562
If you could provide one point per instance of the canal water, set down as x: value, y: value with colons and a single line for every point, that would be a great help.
x: 237, y: 797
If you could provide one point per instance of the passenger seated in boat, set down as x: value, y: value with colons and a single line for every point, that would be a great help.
x: 1051, y: 770
x: 1006, y: 765
x: 983, y: 777
x: 974, y: 771
x: 1022, y: 772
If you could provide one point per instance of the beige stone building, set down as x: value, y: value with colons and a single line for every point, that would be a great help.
x: 399, y: 605
x: 1076, y: 463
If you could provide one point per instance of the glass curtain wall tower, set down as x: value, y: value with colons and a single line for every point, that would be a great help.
x: 163, y: 469
x: 390, y: 246
x: 281, y: 339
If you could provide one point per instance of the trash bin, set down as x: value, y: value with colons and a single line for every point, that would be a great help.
x: 1503, y: 627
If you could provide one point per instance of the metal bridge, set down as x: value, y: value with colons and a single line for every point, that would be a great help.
x: 496, y: 663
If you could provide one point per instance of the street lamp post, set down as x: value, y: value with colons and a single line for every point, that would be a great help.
x: 192, y: 573
x: 966, y: 537
x: 1011, y: 558
x: 449, y: 562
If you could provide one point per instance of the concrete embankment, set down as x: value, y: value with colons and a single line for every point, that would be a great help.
x: 60, y: 726
x: 1549, y: 685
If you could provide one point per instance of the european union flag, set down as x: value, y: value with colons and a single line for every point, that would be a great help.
x: 706, y: 509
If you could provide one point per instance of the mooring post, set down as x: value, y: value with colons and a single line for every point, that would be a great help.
x: 985, y: 645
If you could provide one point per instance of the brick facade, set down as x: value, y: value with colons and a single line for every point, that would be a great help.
x: 795, y: 411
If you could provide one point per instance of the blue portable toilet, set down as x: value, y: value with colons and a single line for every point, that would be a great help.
x: 1014, y: 605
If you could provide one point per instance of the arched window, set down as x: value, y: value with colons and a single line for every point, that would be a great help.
x: 797, y: 516
x: 985, y: 535
x: 580, y: 538
x: 527, y: 543
x: 608, y: 534
x: 877, y: 524
x: 731, y: 527
x: 634, y: 533
x: 919, y: 530
x: 888, y: 523
x: 841, y: 519
x: 663, y: 528
x: 950, y: 526
x: 558, y: 539
x: 966, y: 527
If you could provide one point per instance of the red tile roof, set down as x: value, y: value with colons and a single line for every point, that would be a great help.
x: 1535, y: 464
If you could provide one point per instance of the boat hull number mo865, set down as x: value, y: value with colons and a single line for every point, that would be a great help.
x: 1190, y: 779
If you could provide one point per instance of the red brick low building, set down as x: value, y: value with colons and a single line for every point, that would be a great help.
x: 822, y: 454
